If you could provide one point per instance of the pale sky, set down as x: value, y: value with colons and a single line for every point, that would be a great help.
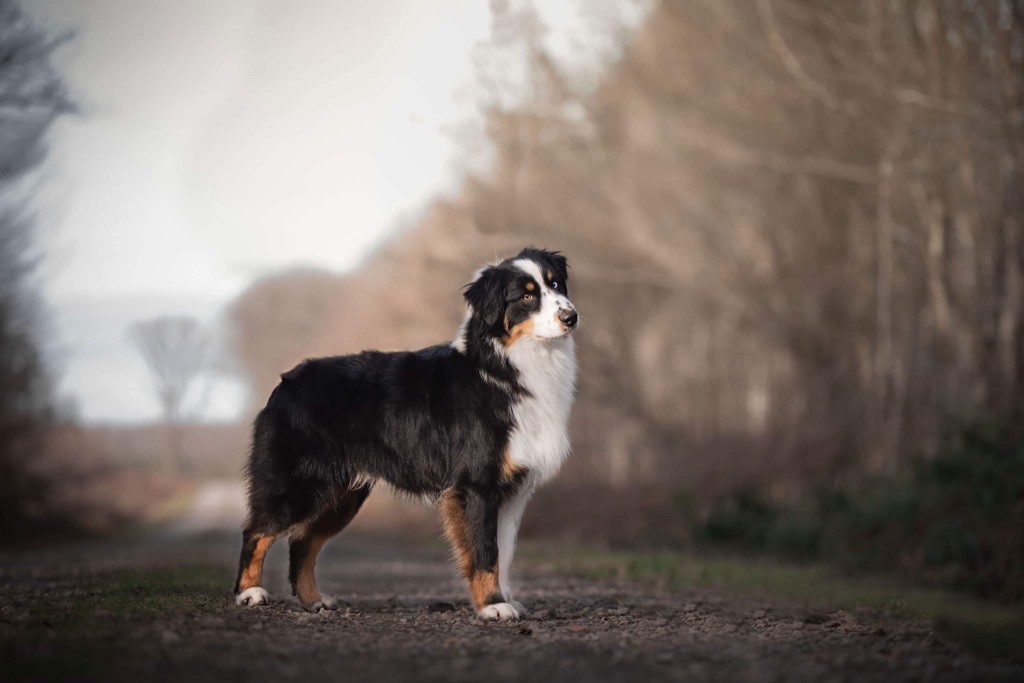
x: 219, y: 140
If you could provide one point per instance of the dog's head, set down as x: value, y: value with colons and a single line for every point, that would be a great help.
x: 524, y: 296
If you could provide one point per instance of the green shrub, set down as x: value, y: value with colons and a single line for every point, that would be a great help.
x: 744, y: 519
x: 957, y: 518
x: 797, y: 533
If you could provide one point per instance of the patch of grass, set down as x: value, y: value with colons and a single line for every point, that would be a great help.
x: 988, y: 629
x: 82, y: 642
x: 156, y: 592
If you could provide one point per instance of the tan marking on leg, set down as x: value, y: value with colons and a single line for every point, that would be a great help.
x: 483, y: 585
x: 305, y: 582
x: 315, y: 533
x: 453, y: 518
x: 253, y: 574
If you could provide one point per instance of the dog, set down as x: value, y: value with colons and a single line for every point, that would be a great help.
x: 475, y: 425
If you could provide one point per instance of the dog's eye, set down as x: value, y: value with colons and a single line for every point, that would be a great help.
x: 554, y: 285
x: 527, y: 297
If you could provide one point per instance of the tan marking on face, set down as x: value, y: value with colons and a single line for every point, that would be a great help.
x: 530, y: 286
x: 482, y: 586
x: 549, y: 275
x: 252, y: 576
x: 453, y: 518
x: 523, y: 329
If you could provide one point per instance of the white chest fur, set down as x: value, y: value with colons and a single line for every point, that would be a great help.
x: 540, y: 437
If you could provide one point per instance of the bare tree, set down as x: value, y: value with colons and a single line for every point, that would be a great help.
x: 794, y: 228
x: 32, y: 96
x: 176, y: 352
x: 811, y: 210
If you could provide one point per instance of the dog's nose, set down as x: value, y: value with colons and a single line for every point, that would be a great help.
x: 568, y: 317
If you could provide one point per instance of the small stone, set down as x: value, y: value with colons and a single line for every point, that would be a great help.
x: 576, y: 628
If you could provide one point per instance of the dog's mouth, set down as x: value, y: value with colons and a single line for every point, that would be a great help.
x: 565, y: 332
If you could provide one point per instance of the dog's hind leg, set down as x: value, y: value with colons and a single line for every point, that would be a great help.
x: 248, y: 590
x: 305, y: 545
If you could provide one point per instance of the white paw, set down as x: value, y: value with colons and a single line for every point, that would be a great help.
x: 325, y: 602
x: 251, y: 597
x: 500, y: 611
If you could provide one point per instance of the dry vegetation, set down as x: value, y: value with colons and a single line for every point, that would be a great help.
x: 794, y: 231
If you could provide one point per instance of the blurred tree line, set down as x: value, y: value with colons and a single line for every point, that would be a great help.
x: 32, y: 96
x: 795, y: 239
x: 794, y: 230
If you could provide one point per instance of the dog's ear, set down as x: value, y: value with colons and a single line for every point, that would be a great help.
x: 561, y: 265
x: 486, y: 294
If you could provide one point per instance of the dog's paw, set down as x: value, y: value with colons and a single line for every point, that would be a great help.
x: 501, y: 611
x: 251, y: 597
x: 325, y: 602
x: 518, y: 607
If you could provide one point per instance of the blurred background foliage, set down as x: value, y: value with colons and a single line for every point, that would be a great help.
x: 956, y: 519
x: 795, y: 239
x: 31, y: 97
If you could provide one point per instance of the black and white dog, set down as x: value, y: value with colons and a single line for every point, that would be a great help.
x: 476, y: 425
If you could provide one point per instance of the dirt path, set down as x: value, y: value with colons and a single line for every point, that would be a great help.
x: 159, y: 609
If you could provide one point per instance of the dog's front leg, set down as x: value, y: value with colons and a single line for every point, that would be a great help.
x: 471, y: 523
x: 509, y: 517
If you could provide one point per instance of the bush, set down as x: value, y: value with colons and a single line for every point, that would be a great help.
x: 744, y: 519
x: 957, y: 518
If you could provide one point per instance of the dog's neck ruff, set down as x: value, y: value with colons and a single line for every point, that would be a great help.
x: 540, y: 433
x: 540, y: 377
